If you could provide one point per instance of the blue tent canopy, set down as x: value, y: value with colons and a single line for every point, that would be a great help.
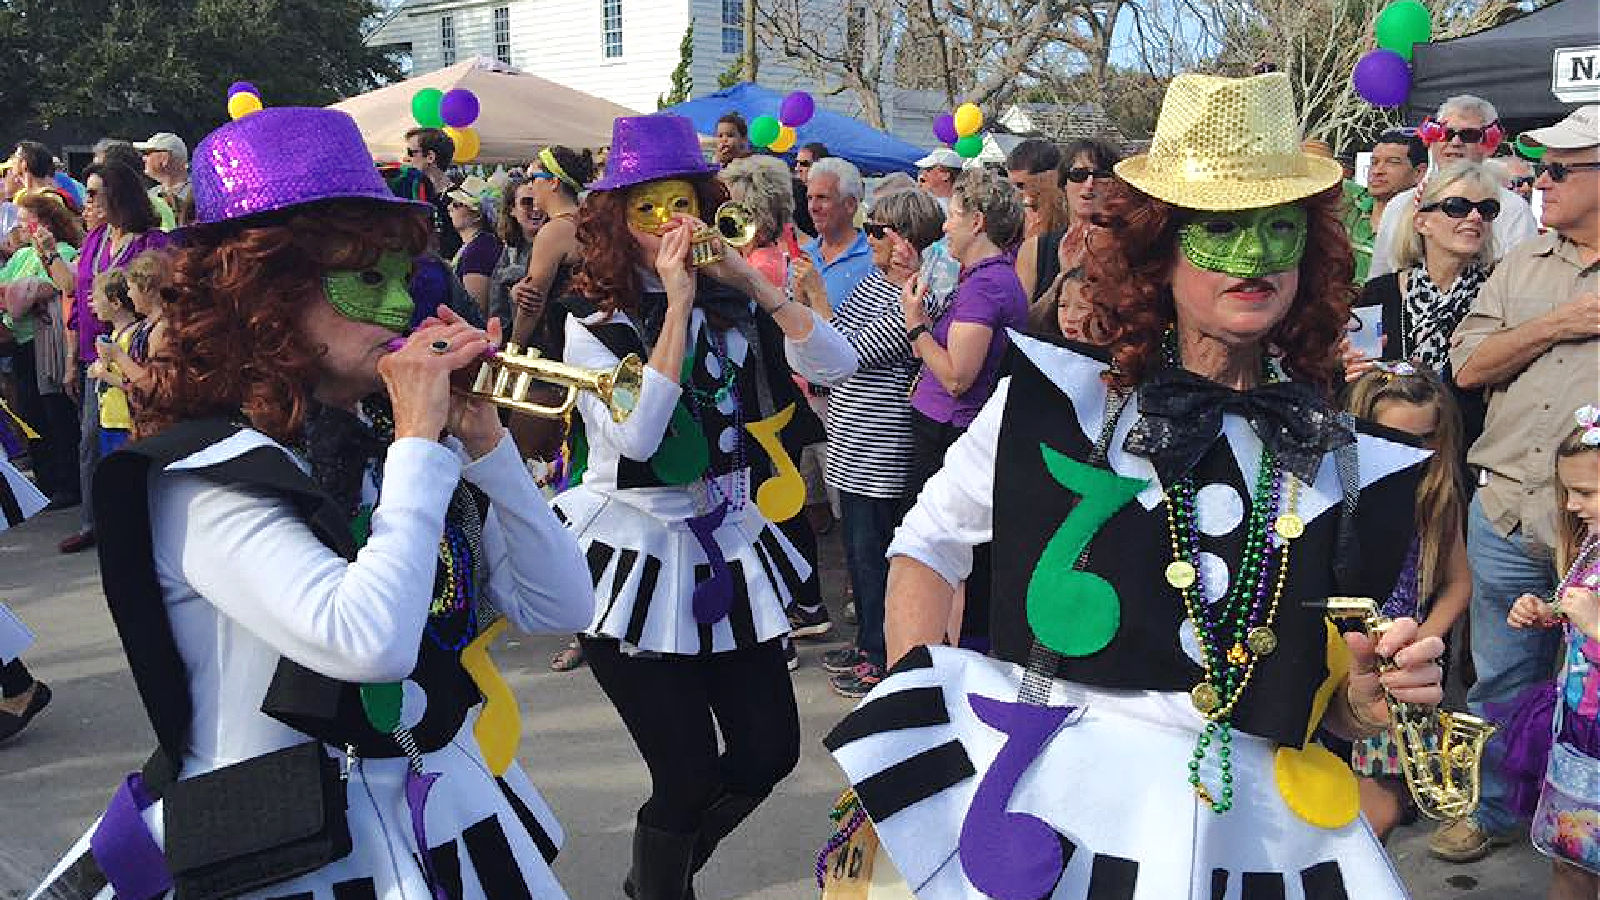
x: 872, y: 151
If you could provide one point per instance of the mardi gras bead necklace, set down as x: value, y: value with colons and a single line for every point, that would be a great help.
x: 700, y: 400
x: 1234, y: 630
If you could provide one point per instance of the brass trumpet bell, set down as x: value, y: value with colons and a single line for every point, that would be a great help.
x: 733, y: 224
x: 1441, y: 752
x: 507, y: 378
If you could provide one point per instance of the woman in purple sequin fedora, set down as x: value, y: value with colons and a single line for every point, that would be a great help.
x: 306, y: 557
x: 676, y: 507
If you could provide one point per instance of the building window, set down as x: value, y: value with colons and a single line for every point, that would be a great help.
x: 502, y: 34
x: 611, y: 28
x: 733, y: 26
x: 447, y: 39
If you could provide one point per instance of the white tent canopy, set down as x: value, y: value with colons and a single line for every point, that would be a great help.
x: 518, y: 112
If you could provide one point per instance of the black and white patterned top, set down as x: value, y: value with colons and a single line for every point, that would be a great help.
x: 869, y: 415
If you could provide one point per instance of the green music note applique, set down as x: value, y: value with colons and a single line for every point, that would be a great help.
x: 1072, y: 612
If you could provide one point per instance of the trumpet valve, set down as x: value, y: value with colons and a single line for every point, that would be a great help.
x: 485, y: 378
x: 703, y: 248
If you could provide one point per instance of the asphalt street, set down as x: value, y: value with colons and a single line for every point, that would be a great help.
x: 56, y: 776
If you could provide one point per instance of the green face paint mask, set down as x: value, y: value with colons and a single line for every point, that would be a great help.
x: 379, y: 295
x: 1246, y: 244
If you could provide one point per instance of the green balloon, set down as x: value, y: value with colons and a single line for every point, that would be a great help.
x: 425, y: 107
x: 1402, y: 24
x: 764, y: 130
x: 970, y: 146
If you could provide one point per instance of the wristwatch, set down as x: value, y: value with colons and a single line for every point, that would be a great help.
x: 919, y: 331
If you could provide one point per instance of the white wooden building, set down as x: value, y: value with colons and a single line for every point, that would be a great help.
x: 621, y: 50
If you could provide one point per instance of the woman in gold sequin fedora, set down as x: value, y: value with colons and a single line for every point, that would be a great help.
x: 1169, y: 507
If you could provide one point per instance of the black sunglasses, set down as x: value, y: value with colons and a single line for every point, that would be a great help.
x: 1467, y: 135
x: 876, y: 230
x: 1461, y: 207
x: 1080, y: 174
x: 1558, y: 172
x: 1520, y: 181
x: 527, y: 203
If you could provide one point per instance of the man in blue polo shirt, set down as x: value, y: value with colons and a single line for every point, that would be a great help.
x: 840, y: 252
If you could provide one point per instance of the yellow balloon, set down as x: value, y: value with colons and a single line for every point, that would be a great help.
x: 969, y: 119
x: 243, y: 104
x: 466, y: 141
x: 785, y: 140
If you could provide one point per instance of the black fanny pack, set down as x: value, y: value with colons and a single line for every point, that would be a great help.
x: 255, y: 823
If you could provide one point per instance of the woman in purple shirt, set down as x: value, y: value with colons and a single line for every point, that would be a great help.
x: 961, y: 352
x: 115, y: 195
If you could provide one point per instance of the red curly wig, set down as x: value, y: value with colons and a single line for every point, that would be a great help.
x: 234, y: 343
x: 609, y: 274
x: 1129, y: 268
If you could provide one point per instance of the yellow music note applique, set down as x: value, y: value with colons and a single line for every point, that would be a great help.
x: 781, y: 497
x: 499, y: 726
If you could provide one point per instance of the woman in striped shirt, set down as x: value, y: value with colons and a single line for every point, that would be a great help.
x: 869, y: 420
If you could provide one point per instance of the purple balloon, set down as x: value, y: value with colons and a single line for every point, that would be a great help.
x: 797, y: 109
x: 459, y: 108
x: 1382, y: 78
x: 944, y: 128
x: 242, y: 87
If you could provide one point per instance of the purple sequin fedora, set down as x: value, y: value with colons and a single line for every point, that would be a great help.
x: 282, y: 157
x: 649, y: 148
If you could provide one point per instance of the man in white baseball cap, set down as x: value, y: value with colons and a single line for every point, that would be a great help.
x: 937, y: 172
x: 166, y: 159
x: 1532, y: 341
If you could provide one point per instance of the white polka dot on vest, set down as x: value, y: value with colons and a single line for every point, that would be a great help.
x: 1190, y: 642
x: 413, y: 703
x: 728, y: 440
x: 713, y: 365
x: 1214, y: 575
x: 1219, y: 509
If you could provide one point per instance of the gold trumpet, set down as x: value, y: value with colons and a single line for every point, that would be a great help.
x: 732, y: 223
x: 506, y: 379
x: 1441, y: 752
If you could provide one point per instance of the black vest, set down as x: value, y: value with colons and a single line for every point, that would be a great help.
x: 322, y: 707
x: 1132, y: 550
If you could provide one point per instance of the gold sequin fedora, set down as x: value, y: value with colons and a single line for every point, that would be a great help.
x: 1229, y: 144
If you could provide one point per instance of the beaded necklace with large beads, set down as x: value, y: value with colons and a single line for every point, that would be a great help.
x: 1235, y: 630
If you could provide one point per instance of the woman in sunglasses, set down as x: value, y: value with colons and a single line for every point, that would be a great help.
x: 556, y: 177
x: 1443, y: 261
x: 516, y: 230
x: 1085, y: 181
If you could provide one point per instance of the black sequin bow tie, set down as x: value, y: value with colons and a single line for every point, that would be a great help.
x: 1181, y: 417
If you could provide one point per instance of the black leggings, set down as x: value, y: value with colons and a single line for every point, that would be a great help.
x: 668, y: 704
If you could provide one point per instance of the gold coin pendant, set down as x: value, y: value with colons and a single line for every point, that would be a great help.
x: 1181, y: 575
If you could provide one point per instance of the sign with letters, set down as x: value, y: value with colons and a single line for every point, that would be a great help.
x: 1575, y: 74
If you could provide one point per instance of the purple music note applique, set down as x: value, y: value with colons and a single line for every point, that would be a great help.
x: 1012, y: 855
x: 713, y: 598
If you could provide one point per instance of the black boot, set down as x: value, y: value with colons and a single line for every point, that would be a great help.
x: 662, y: 862
x: 719, y: 821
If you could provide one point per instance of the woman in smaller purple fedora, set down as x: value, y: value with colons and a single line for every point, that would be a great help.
x: 307, y: 554
x: 676, y: 504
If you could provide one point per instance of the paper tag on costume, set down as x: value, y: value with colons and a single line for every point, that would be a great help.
x: 850, y: 867
x: 14, y: 636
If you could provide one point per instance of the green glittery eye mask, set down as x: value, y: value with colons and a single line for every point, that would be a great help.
x: 1246, y: 244
x: 379, y: 295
